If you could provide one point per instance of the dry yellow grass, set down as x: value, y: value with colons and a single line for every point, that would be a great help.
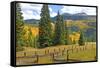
x: 58, y: 48
x: 88, y: 54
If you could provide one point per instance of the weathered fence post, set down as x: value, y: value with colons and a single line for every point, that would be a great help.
x: 67, y: 55
x: 24, y: 54
x: 63, y: 52
x: 45, y: 52
x: 72, y: 49
x: 37, y: 57
x: 52, y: 56
x: 48, y: 51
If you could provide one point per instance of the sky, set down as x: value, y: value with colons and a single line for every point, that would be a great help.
x: 32, y: 11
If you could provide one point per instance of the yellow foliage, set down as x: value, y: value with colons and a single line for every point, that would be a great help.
x: 34, y: 31
x: 74, y: 37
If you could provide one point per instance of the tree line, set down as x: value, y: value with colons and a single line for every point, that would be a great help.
x: 46, y: 35
x: 60, y: 35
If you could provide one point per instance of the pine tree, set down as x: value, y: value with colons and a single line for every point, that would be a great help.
x: 45, y: 28
x: 19, y: 26
x: 59, y: 37
x: 67, y: 40
x: 63, y: 32
x: 57, y: 30
x: 81, y: 39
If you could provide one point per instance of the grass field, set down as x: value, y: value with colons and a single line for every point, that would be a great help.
x: 61, y: 53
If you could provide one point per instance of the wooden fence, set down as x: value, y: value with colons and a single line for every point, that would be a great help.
x: 56, y: 55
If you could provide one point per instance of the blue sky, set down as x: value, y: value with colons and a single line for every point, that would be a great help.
x: 56, y: 8
x: 32, y: 11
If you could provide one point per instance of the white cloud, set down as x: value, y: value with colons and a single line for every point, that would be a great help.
x: 29, y: 15
x: 52, y: 13
x: 31, y: 11
x: 76, y: 9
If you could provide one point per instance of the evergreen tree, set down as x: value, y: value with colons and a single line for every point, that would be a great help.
x: 67, y: 32
x: 81, y: 39
x: 63, y: 32
x: 45, y: 28
x: 59, y: 37
x: 19, y: 26
x: 57, y: 30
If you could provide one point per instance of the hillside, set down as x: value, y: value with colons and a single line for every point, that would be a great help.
x: 67, y: 16
x: 75, y: 23
x: 77, y: 16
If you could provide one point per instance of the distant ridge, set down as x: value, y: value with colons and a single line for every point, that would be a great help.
x: 68, y: 16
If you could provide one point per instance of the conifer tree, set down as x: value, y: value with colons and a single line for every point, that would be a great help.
x: 59, y: 30
x: 19, y: 26
x: 67, y: 32
x: 45, y: 28
x: 81, y: 39
x: 63, y: 32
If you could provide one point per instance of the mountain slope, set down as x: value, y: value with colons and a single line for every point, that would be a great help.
x: 67, y: 16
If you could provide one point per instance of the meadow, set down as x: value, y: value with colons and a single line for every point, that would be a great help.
x: 57, y: 54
